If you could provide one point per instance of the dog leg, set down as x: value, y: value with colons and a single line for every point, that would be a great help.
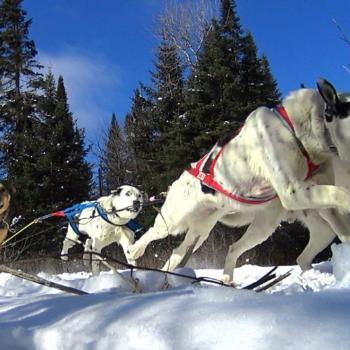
x: 195, y: 236
x: 340, y: 223
x: 67, y: 245
x: 260, y: 229
x: 3, y: 234
x: 321, y: 235
x: 87, y: 252
x: 126, y: 240
x: 302, y: 197
x: 158, y: 231
x: 95, y: 264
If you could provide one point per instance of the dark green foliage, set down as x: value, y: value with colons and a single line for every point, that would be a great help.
x: 64, y: 174
x: 228, y: 82
x: 139, y: 139
x: 18, y: 68
x: 113, y: 158
x: 42, y: 150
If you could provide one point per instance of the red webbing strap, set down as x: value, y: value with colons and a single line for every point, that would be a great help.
x: 312, y: 167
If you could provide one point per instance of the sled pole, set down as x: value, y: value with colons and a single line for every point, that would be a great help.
x: 40, y: 280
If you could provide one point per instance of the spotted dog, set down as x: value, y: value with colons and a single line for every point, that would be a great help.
x: 280, y: 162
x: 105, y: 223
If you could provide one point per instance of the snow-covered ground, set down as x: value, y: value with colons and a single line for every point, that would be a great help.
x: 305, y: 311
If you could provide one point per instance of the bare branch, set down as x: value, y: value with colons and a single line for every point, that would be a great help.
x: 186, y: 24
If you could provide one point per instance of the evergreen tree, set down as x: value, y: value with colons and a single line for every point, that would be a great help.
x: 213, y: 98
x: 18, y: 68
x: 228, y: 82
x: 19, y: 80
x: 139, y: 138
x: 258, y: 86
x: 113, y: 158
x: 167, y: 98
x: 72, y: 172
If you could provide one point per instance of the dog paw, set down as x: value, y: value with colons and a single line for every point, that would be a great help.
x: 227, y: 279
x: 135, y: 251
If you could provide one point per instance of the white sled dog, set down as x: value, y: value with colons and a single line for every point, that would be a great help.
x: 106, y: 222
x: 279, y: 162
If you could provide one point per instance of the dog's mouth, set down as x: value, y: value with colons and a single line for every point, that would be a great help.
x: 136, y: 206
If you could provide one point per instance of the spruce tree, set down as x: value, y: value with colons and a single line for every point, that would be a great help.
x: 139, y: 138
x: 72, y: 172
x: 19, y: 71
x: 258, y: 86
x: 113, y: 158
x: 168, y: 107
x: 213, y: 98
x: 19, y: 80
x: 228, y: 82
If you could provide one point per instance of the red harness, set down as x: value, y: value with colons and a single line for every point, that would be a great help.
x: 208, y: 178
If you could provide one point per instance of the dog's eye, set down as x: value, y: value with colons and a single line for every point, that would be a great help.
x: 128, y: 193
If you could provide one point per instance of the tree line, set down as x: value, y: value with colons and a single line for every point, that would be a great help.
x: 207, y: 77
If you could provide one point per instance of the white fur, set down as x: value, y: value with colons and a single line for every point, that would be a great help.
x: 101, y: 233
x: 263, y: 153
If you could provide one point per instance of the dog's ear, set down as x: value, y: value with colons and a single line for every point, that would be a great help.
x: 328, y: 93
x: 8, y: 186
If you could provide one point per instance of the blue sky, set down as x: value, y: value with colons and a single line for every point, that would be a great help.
x: 105, y: 48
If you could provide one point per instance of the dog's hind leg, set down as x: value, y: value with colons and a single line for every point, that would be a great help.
x: 87, y: 252
x: 95, y: 263
x: 195, y: 236
x: 321, y: 235
x: 260, y: 229
x: 159, y: 230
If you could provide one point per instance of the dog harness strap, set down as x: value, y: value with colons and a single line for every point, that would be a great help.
x: 311, y: 166
x: 104, y: 215
x: 207, y: 178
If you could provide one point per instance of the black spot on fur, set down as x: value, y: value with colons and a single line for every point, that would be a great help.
x: 207, y: 190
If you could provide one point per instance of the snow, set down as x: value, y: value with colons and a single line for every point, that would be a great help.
x: 305, y: 311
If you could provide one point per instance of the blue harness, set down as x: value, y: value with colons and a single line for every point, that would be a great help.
x: 71, y: 212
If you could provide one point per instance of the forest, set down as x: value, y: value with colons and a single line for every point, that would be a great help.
x: 207, y: 78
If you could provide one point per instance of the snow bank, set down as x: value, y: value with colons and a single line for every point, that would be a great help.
x: 305, y: 311
x: 341, y: 263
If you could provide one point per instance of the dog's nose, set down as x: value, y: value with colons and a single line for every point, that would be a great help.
x: 136, y: 205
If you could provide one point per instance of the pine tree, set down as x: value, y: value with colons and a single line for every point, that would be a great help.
x: 228, y: 83
x: 113, y: 158
x: 258, y: 86
x: 167, y: 97
x: 213, y: 98
x: 139, y: 138
x: 72, y: 172
x: 19, y: 80
x: 18, y: 68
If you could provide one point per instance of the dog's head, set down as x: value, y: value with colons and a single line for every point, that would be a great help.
x: 337, y: 115
x: 6, y: 192
x: 127, y: 201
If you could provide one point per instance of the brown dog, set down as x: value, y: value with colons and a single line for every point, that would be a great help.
x: 6, y: 192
